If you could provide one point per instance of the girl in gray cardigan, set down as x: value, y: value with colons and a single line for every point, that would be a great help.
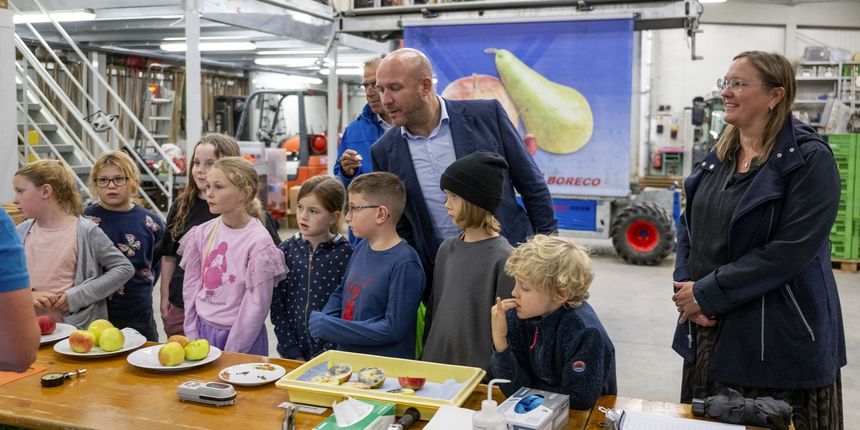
x: 73, y: 266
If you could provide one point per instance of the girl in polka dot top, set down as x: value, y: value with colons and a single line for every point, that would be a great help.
x: 317, y: 256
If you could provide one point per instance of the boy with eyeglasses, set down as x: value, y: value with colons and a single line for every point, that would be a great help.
x: 373, y: 311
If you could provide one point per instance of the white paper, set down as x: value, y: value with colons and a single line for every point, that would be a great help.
x: 641, y: 421
x: 451, y: 418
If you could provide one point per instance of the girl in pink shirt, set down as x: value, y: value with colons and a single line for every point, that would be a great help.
x: 231, y: 265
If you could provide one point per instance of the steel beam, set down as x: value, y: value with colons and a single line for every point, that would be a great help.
x: 388, y: 22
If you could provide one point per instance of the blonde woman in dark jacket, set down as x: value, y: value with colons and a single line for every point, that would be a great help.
x: 759, y: 309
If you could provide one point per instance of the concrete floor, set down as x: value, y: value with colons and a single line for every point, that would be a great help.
x: 635, y: 306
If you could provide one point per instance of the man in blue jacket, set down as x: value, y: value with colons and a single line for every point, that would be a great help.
x: 353, y: 156
x: 429, y: 134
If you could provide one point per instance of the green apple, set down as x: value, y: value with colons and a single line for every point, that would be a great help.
x: 171, y: 354
x: 197, y: 349
x: 111, y: 339
x: 82, y: 341
x: 97, y: 327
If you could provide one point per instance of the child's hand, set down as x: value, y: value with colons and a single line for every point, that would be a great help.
x: 61, y: 303
x: 500, y: 322
x: 43, y: 299
x: 313, y: 324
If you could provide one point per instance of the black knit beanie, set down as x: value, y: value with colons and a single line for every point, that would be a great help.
x: 477, y: 178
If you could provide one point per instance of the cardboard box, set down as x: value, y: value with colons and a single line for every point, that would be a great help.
x: 551, y: 414
x: 379, y: 418
x: 294, y: 198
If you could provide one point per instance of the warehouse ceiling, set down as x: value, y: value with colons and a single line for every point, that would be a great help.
x: 277, y: 35
x: 263, y: 35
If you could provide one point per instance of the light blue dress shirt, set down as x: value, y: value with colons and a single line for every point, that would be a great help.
x: 431, y: 155
x: 385, y: 126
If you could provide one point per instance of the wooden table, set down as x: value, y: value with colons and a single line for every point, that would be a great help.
x: 679, y: 410
x: 116, y: 395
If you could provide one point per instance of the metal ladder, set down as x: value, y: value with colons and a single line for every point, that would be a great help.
x: 57, y: 139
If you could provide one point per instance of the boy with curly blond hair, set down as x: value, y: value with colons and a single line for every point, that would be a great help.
x: 547, y: 336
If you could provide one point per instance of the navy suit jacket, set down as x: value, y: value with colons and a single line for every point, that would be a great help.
x: 475, y: 125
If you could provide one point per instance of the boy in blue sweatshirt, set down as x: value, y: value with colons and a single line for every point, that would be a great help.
x: 373, y: 311
x: 547, y: 336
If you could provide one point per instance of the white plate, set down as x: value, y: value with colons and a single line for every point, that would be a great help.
x: 62, y: 331
x: 133, y: 340
x: 147, y: 358
x: 252, y: 373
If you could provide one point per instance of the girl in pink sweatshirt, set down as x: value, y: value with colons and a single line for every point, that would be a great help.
x: 231, y: 265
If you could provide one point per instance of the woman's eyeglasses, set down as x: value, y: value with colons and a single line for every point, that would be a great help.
x: 734, y: 85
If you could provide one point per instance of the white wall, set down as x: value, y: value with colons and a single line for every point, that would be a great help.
x: 733, y: 27
x: 676, y: 79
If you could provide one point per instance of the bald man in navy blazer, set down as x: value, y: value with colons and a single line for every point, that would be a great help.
x: 429, y: 134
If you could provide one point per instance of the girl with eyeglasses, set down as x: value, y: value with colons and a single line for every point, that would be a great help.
x: 135, y: 231
x: 73, y: 266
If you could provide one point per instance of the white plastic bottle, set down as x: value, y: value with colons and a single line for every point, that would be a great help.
x: 489, y: 418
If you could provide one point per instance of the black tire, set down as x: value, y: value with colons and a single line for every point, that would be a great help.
x: 643, y: 234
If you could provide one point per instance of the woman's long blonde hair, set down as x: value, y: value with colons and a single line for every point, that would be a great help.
x: 225, y: 146
x: 242, y: 174
x: 775, y: 71
x: 60, y: 177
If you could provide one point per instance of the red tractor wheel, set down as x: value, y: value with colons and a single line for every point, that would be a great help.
x: 642, y: 234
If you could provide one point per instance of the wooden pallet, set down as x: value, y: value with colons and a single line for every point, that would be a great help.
x: 659, y: 181
x: 846, y: 265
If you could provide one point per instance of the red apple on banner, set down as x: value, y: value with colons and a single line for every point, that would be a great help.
x: 531, y: 143
x: 486, y: 87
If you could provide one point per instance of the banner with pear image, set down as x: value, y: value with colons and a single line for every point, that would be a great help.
x: 565, y: 85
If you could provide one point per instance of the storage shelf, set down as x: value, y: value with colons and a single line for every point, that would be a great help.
x: 809, y: 102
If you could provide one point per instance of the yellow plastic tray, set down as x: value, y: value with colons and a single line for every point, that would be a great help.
x: 324, y: 395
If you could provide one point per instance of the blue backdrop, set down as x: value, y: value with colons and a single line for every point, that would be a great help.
x: 593, y: 57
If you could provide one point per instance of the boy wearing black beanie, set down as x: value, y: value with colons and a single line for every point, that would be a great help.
x: 470, y: 268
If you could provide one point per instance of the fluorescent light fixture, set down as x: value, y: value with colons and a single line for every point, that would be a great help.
x: 286, y: 61
x: 278, y: 81
x: 210, y: 46
x: 59, y: 16
x: 182, y: 39
x: 346, y: 72
x: 293, y: 52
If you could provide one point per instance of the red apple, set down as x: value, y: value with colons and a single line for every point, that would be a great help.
x: 531, y: 143
x: 47, y: 325
x: 411, y: 383
x: 478, y: 87
x: 82, y: 341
